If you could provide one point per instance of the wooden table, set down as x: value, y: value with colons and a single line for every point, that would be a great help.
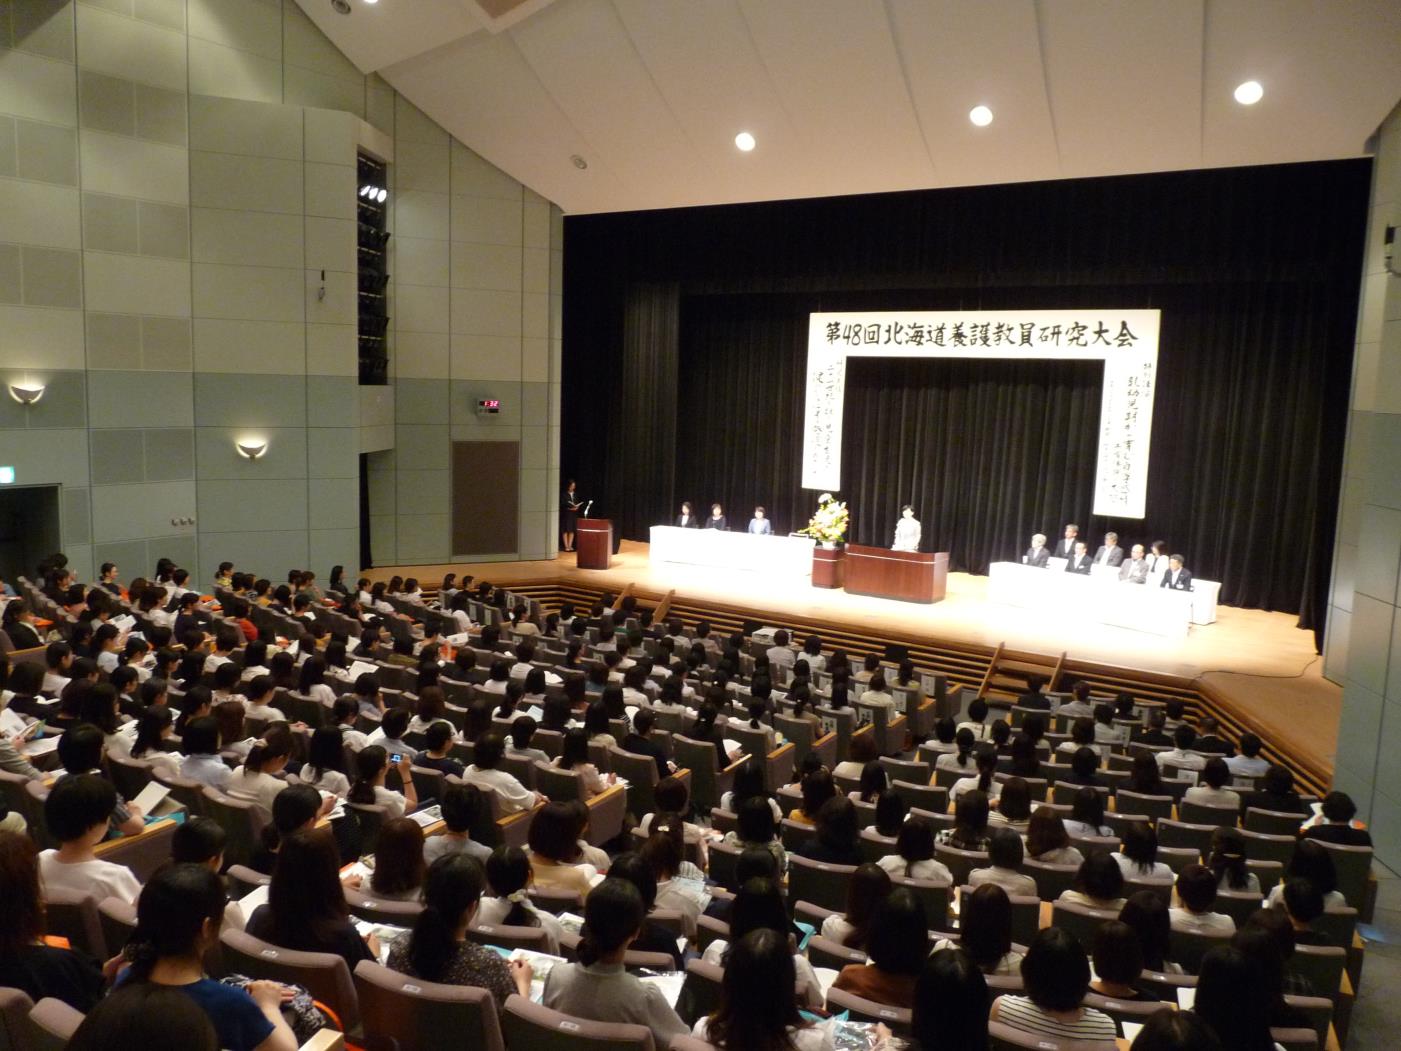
x: 910, y: 576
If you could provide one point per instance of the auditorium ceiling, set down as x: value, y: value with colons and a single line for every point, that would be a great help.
x: 861, y: 96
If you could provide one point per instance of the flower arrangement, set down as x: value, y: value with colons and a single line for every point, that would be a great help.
x: 830, y: 522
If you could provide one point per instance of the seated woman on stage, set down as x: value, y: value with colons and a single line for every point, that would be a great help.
x: 717, y: 518
x: 907, y: 531
x: 687, y: 518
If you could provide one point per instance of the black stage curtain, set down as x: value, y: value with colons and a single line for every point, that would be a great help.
x: 700, y: 315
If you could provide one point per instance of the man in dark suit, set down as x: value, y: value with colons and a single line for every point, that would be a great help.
x: 1038, y: 554
x: 1177, y: 577
x: 639, y: 743
x: 1080, y: 561
x: 1034, y: 698
x: 1210, y: 741
x: 1109, y: 553
x: 1153, y: 734
x: 1065, y: 546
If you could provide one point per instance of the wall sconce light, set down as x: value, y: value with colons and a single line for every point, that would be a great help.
x: 251, y: 448
x: 26, y: 393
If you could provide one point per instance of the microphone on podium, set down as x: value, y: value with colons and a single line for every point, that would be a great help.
x: 585, y: 512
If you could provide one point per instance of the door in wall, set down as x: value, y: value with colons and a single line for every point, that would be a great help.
x: 29, y: 528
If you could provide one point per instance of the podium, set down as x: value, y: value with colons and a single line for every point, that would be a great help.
x: 828, y: 567
x: 595, y: 540
x: 910, y: 576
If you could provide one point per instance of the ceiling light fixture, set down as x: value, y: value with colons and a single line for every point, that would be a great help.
x: 371, y: 1
x: 744, y: 142
x: 340, y: 7
x: 251, y: 448
x: 980, y: 115
x: 381, y: 194
x: 1249, y: 93
x: 26, y: 393
x: 578, y: 162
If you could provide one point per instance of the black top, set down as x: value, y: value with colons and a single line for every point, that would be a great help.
x: 1037, y: 700
x: 446, y: 765
x: 342, y: 938
x: 1289, y: 803
x: 41, y: 970
x: 638, y: 745
x: 655, y: 938
x: 816, y: 850
x: 1151, y: 737
x: 717, y: 523
x: 23, y: 636
x: 1343, y: 835
x: 691, y: 523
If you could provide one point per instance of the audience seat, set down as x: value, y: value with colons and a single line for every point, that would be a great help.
x: 69, y: 914
x: 1200, y: 814
x: 824, y: 952
x: 1051, y: 880
x: 324, y: 975
x: 1354, y: 866
x: 1080, y: 921
x: 922, y: 795
x: 960, y: 862
x: 118, y: 921
x: 1272, y: 822
x: 1161, y: 887
x: 366, y: 906
x: 15, y: 1027
x: 817, y: 882
x: 708, y: 780
x: 1188, y: 948
x: 532, y: 938
x: 1135, y: 1011
x: 860, y: 1009
x: 534, y: 1026
x: 1004, y: 1038
x: 1184, y: 834
x: 1269, y: 846
x: 1295, y: 1039
x: 700, y: 993
x: 52, y: 1025
x: 242, y: 822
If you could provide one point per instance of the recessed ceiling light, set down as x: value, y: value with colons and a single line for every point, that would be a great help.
x: 340, y: 7
x: 1249, y: 93
x: 980, y: 115
x: 578, y: 162
x: 744, y: 141
x: 371, y: 1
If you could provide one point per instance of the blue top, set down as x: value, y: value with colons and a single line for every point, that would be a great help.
x: 238, y: 1021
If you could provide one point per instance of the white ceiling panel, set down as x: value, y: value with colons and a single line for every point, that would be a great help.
x: 608, y: 94
x: 1329, y: 68
x: 857, y: 96
x: 1125, y: 81
x: 377, y: 35
x: 958, y: 54
x: 483, y: 91
x: 838, y: 74
x: 703, y: 60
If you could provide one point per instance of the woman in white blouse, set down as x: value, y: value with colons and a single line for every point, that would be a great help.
x: 257, y: 779
x: 907, y: 531
x: 372, y: 765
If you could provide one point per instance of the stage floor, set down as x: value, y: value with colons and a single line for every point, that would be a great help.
x: 1261, y: 660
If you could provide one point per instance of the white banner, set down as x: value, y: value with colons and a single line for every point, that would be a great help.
x: 1125, y: 340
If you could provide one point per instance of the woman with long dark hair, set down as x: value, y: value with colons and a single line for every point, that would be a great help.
x: 757, y: 1009
x: 177, y: 921
x: 436, y: 948
x: 597, y: 987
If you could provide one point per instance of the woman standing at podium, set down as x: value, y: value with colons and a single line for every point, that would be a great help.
x: 569, y: 505
x: 907, y: 531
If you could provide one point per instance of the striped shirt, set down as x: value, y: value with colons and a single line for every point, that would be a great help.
x: 1020, y: 1013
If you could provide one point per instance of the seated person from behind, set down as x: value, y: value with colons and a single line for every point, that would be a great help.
x: 483, y: 773
x: 1210, y: 741
x: 985, y: 929
x: 1033, y: 697
x: 638, y: 741
x: 1336, y: 823
x: 1056, y: 972
x: 1248, y: 763
x: 523, y: 729
x: 1196, y: 894
x: 1118, y: 964
x: 26, y: 962
x: 597, y: 987
x: 465, y: 811
x: 896, y: 947
x: 508, y: 903
x: 1098, y: 885
x: 1216, y: 775
x: 555, y: 855
x: 759, y: 524
x: 1181, y: 754
x: 77, y: 813
x: 437, y: 950
x: 1005, y: 854
x: 438, y: 742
